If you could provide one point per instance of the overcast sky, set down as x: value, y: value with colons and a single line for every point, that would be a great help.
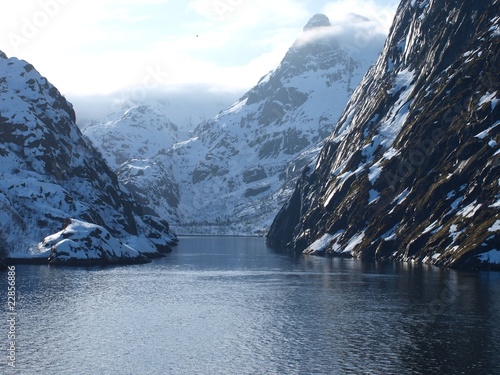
x: 97, y: 47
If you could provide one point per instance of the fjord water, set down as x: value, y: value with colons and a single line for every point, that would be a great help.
x: 233, y: 306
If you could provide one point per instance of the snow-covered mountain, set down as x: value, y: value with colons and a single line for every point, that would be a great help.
x: 143, y: 129
x: 411, y: 171
x: 51, y: 176
x: 239, y: 167
x: 134, y: 141
x: 234, y: 172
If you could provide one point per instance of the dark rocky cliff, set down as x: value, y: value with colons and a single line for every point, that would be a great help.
x: 412, y: 169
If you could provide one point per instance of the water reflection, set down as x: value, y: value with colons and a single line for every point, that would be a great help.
x: 230, y: 305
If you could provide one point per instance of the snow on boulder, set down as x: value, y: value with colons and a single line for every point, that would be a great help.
x: 82, y: 244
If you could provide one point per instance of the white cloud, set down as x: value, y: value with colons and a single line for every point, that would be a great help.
x: 313, y: 35
x: 101, y: 46
x: 380, y: 13
x: 243, y: 13
x: 185, y: 107
x: 359, y: 35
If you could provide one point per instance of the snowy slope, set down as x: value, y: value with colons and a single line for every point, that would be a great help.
x: 50, y: 173
x: 136, y: 137
x: 411, y: 170
x: 80, y: 243
x: 134, y: 141
x: 143, y: 128
x: 236, y: 169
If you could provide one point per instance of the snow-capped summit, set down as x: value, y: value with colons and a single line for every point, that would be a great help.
x: 238, y: 167
x: 318, y: 20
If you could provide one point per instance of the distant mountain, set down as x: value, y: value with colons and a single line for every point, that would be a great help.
x: 134, y: 141
x: 185, y: 106
x: 411, y: 172
x: 53, y: 178
x: 235, y: 170
x: 143, y: 129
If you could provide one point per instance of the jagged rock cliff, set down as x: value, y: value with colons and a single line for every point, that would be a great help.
x: 411, y: 171
x: 51, y: 173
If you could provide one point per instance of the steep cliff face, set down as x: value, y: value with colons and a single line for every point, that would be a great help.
x: 50, y: 173
x: 411, y: 171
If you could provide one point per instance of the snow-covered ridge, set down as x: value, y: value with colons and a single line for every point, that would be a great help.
x: 50, y: 172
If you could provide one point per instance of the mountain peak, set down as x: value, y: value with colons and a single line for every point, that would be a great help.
x: 318, y: 20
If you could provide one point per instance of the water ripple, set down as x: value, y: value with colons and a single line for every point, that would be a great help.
x: 252, y: 311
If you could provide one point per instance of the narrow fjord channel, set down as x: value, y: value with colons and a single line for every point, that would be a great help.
x: 223, y: 305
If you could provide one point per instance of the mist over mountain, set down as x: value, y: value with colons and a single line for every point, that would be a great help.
x: 234, y: 170
x: 187, y: 106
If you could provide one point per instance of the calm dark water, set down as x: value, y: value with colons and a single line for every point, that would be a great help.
x: 232, y: 306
